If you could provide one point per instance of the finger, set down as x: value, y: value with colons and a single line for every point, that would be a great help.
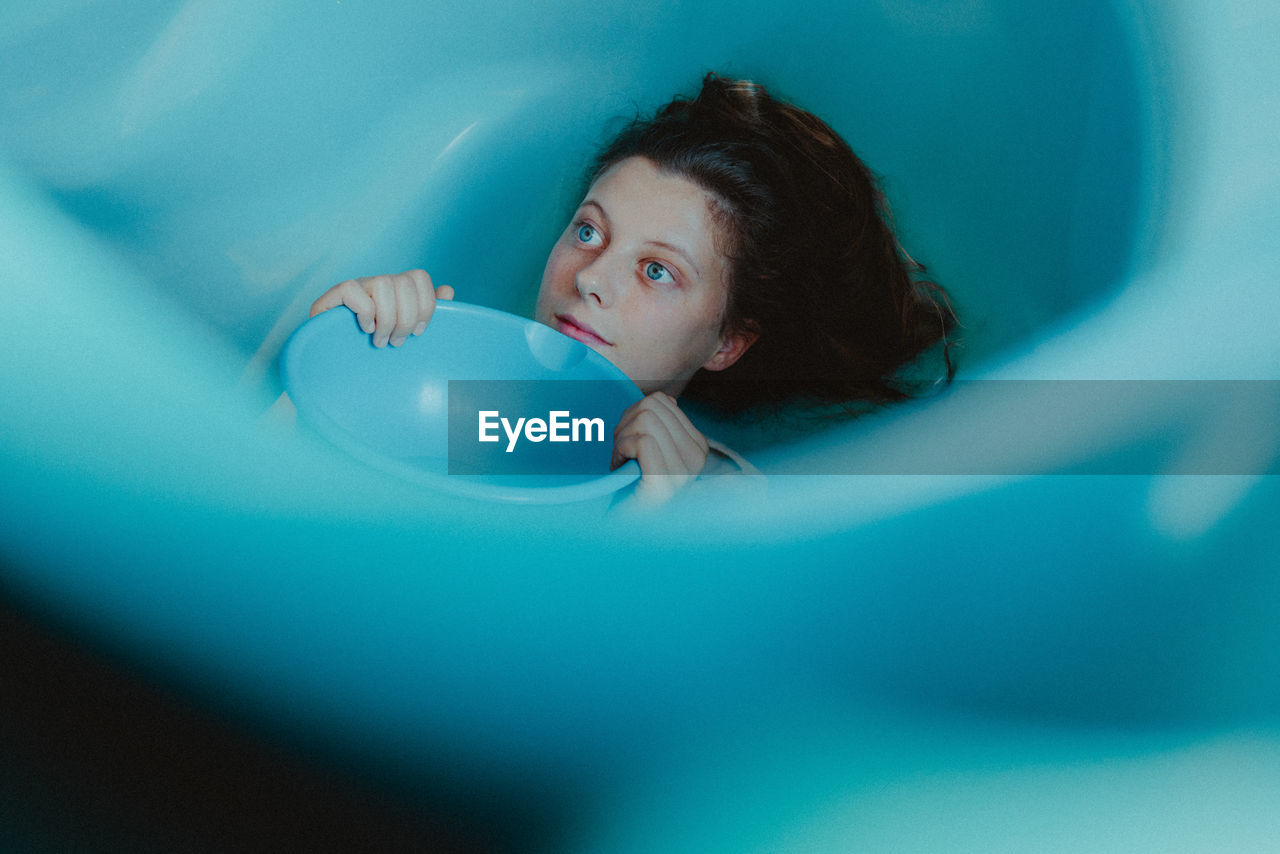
x: 426, y: 299
x: 645, y: 449
x: 654, y: 446
x: 679, y: 458
x: 689, y: 442
x: 676, y: 416
x: 327, y: 300
x: 353, y: 296
x: 635, y: 434
x: 625, y: 435
x: 407, y: 308
x: 658, y: 480
x: 444, y: 292
x: 383, y: 292
x: 682, y: 444
x: 356, y: 298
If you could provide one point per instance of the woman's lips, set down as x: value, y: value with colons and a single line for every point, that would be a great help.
x: 567, y: 324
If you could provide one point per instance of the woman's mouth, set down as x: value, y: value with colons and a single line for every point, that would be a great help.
x: 568, y: 325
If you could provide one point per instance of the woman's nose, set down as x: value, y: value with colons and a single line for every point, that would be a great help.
x: 594, y: 281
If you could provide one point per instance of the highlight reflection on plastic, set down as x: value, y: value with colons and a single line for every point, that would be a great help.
x: 1094, y: 182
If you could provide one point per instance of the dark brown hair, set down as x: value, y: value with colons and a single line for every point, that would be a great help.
x: 815, y: 267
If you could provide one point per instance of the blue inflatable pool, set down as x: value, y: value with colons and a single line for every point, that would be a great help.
x: 1083, y: 533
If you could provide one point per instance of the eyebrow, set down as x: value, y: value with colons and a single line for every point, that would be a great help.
x: 593, y: 203
x: 659, y: 243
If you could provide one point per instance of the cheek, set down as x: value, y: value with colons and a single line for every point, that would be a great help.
x: 560, y: 269
x: 552, y: 275
x: 687, y: 337
x: 704, y: 331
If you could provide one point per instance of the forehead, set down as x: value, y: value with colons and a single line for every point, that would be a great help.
x: 651, y: 204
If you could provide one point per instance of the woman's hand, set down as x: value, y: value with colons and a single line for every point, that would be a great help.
x: 390, y: 308
x: 670, y: 450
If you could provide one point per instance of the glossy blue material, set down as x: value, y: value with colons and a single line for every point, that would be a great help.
x: 392, y: 406
x: 1096, y: 184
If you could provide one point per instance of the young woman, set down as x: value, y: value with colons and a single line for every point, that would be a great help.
x: 732, y: 249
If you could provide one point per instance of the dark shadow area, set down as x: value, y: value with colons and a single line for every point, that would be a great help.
x: 94, y: 757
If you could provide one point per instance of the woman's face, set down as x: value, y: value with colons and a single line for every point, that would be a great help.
x: 638, y: 277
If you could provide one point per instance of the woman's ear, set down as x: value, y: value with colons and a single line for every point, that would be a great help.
x: 734, y: 343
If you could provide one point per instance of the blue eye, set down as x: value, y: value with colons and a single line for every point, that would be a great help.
x: 658, y: 273
x: 587, y: 234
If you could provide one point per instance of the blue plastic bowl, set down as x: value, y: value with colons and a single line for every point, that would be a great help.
x: 412, y: 410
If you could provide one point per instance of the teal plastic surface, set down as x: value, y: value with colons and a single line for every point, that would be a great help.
x: 1095, y: 183
x: 414, y: 410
